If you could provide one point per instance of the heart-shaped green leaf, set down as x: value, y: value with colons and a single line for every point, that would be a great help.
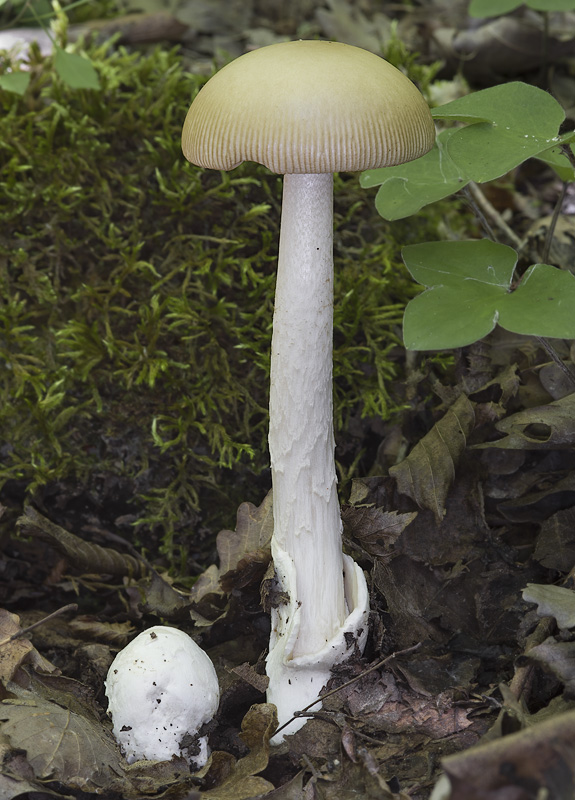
x: 405, y: 189
x: 469, y: 292
x: 510, y: 123
x: 543, y: 304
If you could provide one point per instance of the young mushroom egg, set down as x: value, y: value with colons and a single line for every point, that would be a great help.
x: 161, y: 688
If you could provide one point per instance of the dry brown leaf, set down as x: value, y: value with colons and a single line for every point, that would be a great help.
x: 16, y: 652
x: 163, y: 600
x: 60, y: 744
x: 547, y: 427
x: 541, y: 758
x: 241, y: 781
x: 254, y: 528
x: 557, y: 658
x: 17, y: 778
x: 247, y: 673
x: 114, y: 633
x: 207, y: 583
x: 243, y: 554
x: 249, y: 571
x: 382, y: 703
x: 555, y: 548
x: 374, y: 529
x: 429, y: 470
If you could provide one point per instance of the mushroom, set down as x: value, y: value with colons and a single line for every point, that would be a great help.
x: 161, y: 688
x: 306, y: 109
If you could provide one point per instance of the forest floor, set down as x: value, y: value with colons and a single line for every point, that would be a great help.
x: 470, y: 663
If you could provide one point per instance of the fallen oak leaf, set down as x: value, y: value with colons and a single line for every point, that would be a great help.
x: 242, y: 555
x: 113, y: 633
x: 253, y: 533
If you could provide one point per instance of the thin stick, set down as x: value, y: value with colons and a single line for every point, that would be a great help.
x: 63, y: 610
x: 488, y: 214
x: 553, y: 223
x: 554, y: 355
x: 520, y: 683
x: 346, y: 684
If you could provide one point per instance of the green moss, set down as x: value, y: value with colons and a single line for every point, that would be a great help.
x: 136, y: 297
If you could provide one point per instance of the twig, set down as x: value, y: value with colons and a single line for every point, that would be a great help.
x: 553, y: 223
x: 488, y: 214
x: 554, y: 355
x: 83, y: 555
x: 545, y: 50
x: 568, y: 153
x: 523, y: 676
x: 57, y: 613
x: 322, y: 697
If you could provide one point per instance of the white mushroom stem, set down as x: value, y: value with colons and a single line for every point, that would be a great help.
x: 307, y: 523
x: 307, y: 630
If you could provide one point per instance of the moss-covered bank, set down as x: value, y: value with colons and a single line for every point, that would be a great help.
x: 136, y: 296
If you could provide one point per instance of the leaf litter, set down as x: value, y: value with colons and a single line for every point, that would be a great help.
x: 452, y: 588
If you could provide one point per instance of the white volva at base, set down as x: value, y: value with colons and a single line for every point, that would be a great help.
x: 295, y: 682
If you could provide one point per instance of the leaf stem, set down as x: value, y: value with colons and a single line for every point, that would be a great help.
x: 488, y: 214
x: 57, y: 613
x: 554, y: 355
x: 553, y: 223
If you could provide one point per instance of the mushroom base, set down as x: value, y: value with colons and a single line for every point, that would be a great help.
x: 296, y: 682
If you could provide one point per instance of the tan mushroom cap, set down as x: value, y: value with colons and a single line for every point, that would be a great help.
x: 307, y: 107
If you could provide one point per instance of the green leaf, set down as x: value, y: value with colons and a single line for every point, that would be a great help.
x: 75, y: 70
x: 496, y: 8
x: 451, y: 263
x: 558, y: 161
x: 16, y: 82
x: 551, y: 5
x: 470, y: 292
x: 543, y: 304
x: 492, y: 8
x: 405, y: 189
x: 506, y: 125
x: 510, y: 123
x: 465, y: 280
